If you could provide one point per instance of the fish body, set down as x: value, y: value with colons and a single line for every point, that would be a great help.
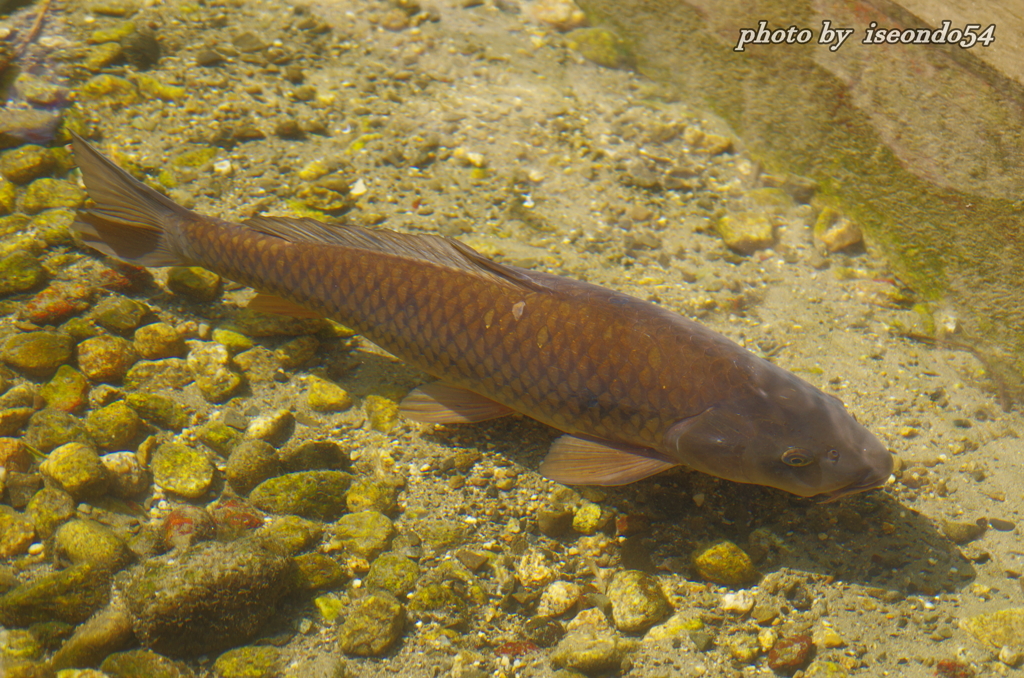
x: 635, y: 387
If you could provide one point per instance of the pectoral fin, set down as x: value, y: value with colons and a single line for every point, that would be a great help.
x: 578, y: 461
x: 440, y: 403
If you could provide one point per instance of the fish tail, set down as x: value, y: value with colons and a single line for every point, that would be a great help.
x: 129, y: 221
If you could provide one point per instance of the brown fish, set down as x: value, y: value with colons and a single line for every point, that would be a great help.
x: 636, y: 388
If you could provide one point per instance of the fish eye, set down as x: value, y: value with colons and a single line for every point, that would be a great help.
x: 794, y: 456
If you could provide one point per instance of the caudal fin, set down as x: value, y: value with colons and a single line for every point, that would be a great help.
x: 130, y: 221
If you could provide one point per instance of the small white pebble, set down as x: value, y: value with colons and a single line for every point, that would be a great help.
x: 358, y: 188
x: 35, y: 549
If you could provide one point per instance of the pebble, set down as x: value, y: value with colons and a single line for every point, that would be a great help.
x: 158, y: 340
x: 316, y: 495
x: 37, y: 354
x: 725, y: 563
x: 182, y: 470
x: 827, y: 637
x: 746, y: 232
x: 109, y: 89
x: 554, y: 521
x: 113, y: 426
x: 26, y: 163
x: 152, y: 375
x: 789, y: 654
x: 251, y: 463
x: 291, y: 534
x: 87, y: 541
x: 740, y: 602
x: 159, y: 410
x: 533, y: 569
x: 16, y: 532
x: 297, y: 352
x: 562, y: 15
x: 128, y: 477
x: 558, y: 598
x: 77, y: 469
x: 744, y: 648
x: 48, y: 429
x: 119, y: 314
x: 588, y: 518
x: 249, y: 661
x: 364, y: 534
x: 46, y: 194
x: 365, y: 493
x: 998, y: 629
x: 205, y: 598
x: 70, y: 595
x: 67, y: 390
x: 961, y: 532
x: 394, y: 573
x: 209, y: 362
x: 834, y: 231
x: 234, y: 342
x: 274, y: 428
x: 143, y: 662
x: 194, y: 283
x: 600, y: 46
x: 637, y: 601
x: 326, y: 396
x: 589, y: 650
x: 56, y: 303
x: 373, y: 626
x: 20, y: 271
x: 48, y: 508
x: 381, y: 412
x: 106, y: 358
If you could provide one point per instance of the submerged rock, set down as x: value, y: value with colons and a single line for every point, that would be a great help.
x: 205, y: 598
x: 70, y: 595
x: 373, y: 626
x: 317, y: 495
x: 638, y: 602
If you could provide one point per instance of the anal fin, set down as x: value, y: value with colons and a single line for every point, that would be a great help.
x: 440, y: 403
x: 579, y: 461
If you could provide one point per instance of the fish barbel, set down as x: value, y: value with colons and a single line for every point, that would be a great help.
x: 634, y: 388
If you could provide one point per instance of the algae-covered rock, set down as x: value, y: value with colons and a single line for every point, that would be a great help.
x: 36, y: 354
x: 156, y: 374
x: 326, y: 396
x: 297, y: 352
x: 601, y: 46
x: 77, y: 469
x: 45, y: 193
x: 366, y: 493
x: 17, y: 532
x: 194, y: 283
x: 746, y: 232
x: 250, y: 463
x: 106, y: 358
x: 109, y: 89
x: 381, y: 412
x: 25, y: 163
x: 638, y: 602
x: 440, y: 602
x: 157, y: 341
x: 49, y: 428
x: 128, y: 477
x: 291, y: 534
x: 317, y: 495
x: 394, y: 573
x: 137, y: 663
x: 366, y: 533
x: 590, y: 650
x: 725, y: 563
x: 998, y: 629
x: 373, y: 626
x: 113, y: 426
x: 67, y: 390
x: 20, y: 271
x: 274, y: 427
x: 211, y: 366
x: 87, y: 541
x: 48, y: 508
x: 210, y: 596
x: 182, y: 470
x: 316, y: 571
x: 251, y: 661
x: 70, y: 595
x: 119, y: 314
x: 159, y: 410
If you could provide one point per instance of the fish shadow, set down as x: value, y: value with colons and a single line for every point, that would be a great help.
x: 869, y: 539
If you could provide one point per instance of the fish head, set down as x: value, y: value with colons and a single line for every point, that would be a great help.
x: 784, y: 433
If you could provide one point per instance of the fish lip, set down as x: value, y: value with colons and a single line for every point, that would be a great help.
x: 869, y: 481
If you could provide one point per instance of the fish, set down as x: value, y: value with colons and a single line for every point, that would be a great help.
x: 633, y: 388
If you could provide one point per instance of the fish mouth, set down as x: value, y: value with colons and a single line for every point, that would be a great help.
x: 869, y: 481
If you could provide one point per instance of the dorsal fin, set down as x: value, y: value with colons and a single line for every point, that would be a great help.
x: 426, y: 247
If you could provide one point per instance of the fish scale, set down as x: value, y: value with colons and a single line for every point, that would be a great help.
x: 635, y: 387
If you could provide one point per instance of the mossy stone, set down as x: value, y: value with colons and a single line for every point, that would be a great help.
x: 109, y: 89
x: 158, y: 340
x: 746, y: 232
x: 637, y: 601
x: 48, y: 508
x: 373, y: 626
x: 182, y: 470
x: 113, y: 426
x: 318, y: 572
x: 37, y: 354
x: 365, y: 534
x: 132, y: 663
x: 106, y: 358
x: 16, y: 532
x: 77, y: 469
x: 87, y: 541
x: 250, y: 463
x: 381, y: 412
x: 297, y: 352
x: 159, y: 410
x: 150, y: 375
x: 25, y: 163
x: 366, y: 493
x: 119, y: 314
x: 46, y: 194
x: 219, y: 437
x: 599, y: 45
x: 326, y: 396
x: 49, y: 428
x: 67, y: 390
x: 394, y: 573
x: 234, y: 342
x: 20, y: 271
x: 71, y: 595
x: 194, y: 283
x: 252, y: 661
x: 725, y: 563
x: 291, y: 534
x: 317, y: 495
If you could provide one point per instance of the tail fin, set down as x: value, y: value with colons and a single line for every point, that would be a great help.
x: 130, y: 221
